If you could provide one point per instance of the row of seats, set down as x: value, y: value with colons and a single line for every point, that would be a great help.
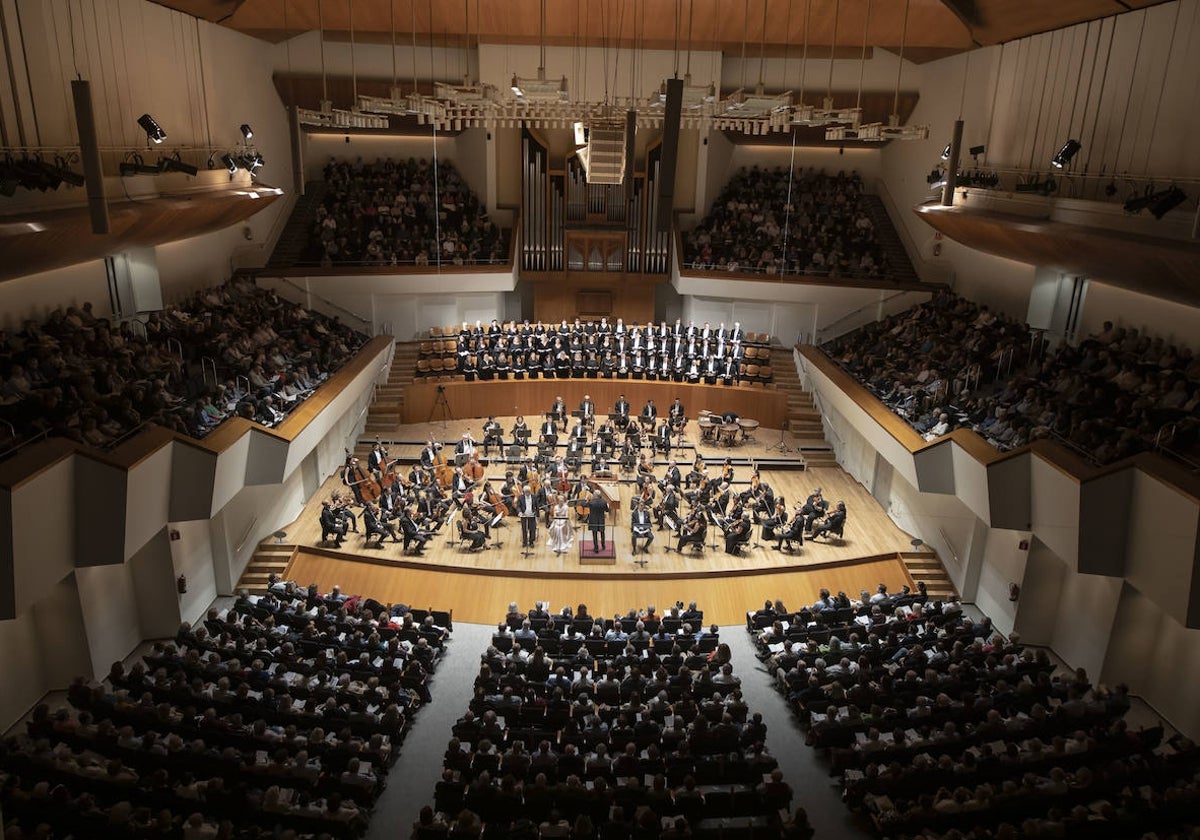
x: 278, y: 717
x: 620, y: 739
x: 941, y: 728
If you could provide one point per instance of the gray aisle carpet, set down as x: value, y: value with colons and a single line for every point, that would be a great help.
x: 411, y: 781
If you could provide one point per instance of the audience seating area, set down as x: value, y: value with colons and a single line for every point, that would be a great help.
x: 941, y: 729
x: 630, y: 727
x: 231, y: 349
x: 952, y: 363
x: 596, y: 350
x: 279, y: 717
x: 752, y: 228
x: 390, y: 213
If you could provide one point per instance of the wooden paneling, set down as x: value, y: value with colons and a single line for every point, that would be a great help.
x: 556, y: 294
x: 533, y: 397
x: 1151, y: 265
x: 483, y: 598
x: 58, y: 238
x: 935, y: 27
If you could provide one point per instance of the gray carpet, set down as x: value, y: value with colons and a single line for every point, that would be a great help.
x: 411, y: 782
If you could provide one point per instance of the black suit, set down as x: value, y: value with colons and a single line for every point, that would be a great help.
x: 597, y: 518
x: 527, y: 513
x: 639, y: 528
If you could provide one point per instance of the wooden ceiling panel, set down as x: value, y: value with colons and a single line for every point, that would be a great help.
x: 935, y: 27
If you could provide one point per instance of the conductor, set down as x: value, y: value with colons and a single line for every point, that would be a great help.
x: 597, y: 516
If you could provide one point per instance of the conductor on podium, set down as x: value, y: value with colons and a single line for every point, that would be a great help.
x: 596, y: 520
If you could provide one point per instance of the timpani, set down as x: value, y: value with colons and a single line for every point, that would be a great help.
x: 748, y: 428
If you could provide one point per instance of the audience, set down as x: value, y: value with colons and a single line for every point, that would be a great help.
x: 578, y: 735
x: 278, y: 717
x: 824, y: 231
x: 952, y: 363
x: 389, y: 213
x: 80, y: 377
x: 941, y: 728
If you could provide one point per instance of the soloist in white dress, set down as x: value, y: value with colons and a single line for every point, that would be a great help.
x: 561, y: 535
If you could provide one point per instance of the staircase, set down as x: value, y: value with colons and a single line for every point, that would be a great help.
x: 289, y: 248
x: 925, y: 565
x: 385, y: 414
x: 269, y: 557
x: 900, y: 266
x: 803, y: 419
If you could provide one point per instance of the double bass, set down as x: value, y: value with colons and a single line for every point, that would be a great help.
x: 355, y: 476
x: 443, y: 473
x: 473, y: 470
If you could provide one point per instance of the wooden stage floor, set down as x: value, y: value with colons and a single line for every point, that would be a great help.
x: 478, y: 586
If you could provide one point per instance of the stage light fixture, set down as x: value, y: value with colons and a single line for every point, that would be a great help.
x: 1068, y: 151
x: 175, y: 164
x: 1138, y: 202
x: 946, y: 152
x: 66, y: 173
x: 134, y: 165
x: 1164, y: 202
x: 246, y: 132
x: 976, y: 151
x: 230, y: 165
x: 154, y: 132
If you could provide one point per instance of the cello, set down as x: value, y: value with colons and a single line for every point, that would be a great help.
x: 368, y: 488
x: 473, y: 470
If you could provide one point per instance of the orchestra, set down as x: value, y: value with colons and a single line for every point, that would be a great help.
x: 415, y: 502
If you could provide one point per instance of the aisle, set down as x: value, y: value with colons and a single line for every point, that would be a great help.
x: 419, y: 767
x: 803, y: 768
x: 412, y: 780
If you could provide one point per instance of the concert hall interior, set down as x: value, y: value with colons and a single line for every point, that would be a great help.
x: 814, y: 383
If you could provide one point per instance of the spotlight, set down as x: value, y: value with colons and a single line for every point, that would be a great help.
x: 66, y: 173
x: 1136, y: 203
x: 1165, y: 202
x: 976, y: 151
x: 516, y: 85
x: 229, y: 163
x: 154, y: 132
x: 946, y: 152
x: 134, y: 165
x: 1068, y: 151
x: 175, y: 164
x: 246, y: 132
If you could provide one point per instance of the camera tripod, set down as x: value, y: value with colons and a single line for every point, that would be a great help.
x: 441, y: 407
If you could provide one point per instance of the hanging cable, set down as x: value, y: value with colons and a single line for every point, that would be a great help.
x: 787, y: 40
x: 745, y: 35
x: 691, y: 17
x: 1091, y: 144
x: 1037, y: 127
x: 432, y: 55
x: 1162, y: 88
x: 353, y: 67
x: 467, y: 38
x: 678, y: 26
x: 900, y: 61
x: 762, y: 49
x: 962, y: 98
x: 413, y: 8
x: 787, y: 210
x: 804, y: 54
x: 1129, y: 97
x: 321, y: 41
x: 862, y: 64
x: 1087, y: 37
x: 833, y: 48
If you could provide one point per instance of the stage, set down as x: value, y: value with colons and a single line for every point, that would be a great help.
x: 479, y: 585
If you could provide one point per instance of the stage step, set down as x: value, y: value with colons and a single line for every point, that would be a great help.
x: 927, y: 566
x: 269, y: 558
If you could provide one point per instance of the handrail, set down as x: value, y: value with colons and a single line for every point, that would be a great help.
x: 135, y: 324
x: 246, y: 535
x: 325, y: 300
x: 385, y: 328
x: 207, y: 363
x: 136, y: 430
x: 42, y: 435
x: 178, y: 346
x: 950, y: 546
x: 851, y: 314
x: 242, y: 378
x: 920, y: 264
x: 291, y: 199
